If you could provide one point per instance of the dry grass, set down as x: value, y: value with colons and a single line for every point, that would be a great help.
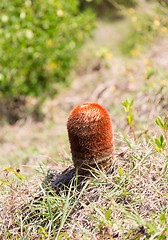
x: 128, y: 203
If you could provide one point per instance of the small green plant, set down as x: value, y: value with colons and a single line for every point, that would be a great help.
x: 130, y: 115
x: 164, y: 125
x: 161, y: 143
x: 6, y: 172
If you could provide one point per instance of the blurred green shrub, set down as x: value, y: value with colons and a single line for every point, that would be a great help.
x: 39, y: 42
x: 145, y: 26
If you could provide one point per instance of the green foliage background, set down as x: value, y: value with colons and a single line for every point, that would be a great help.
x: 144, y: 28
x: 38, y: 44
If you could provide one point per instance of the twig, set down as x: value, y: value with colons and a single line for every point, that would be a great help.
x: 133, y: 130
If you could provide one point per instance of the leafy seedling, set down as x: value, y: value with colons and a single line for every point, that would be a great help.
x: 130, y: 115
x: 163, y: 124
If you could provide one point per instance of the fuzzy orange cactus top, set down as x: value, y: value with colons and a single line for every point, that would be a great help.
x: 91, y: 137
